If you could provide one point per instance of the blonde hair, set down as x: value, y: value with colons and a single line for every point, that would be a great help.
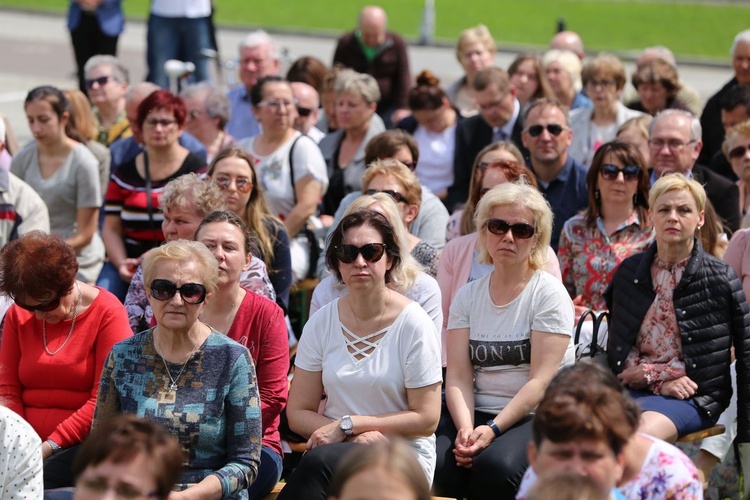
x: 406, y: 276
x: 85, y: 121
x: 639, y: 123
x: 394, y: 168
x: 190, y: 192
x: 183, y: 252
x: 527, y: 196
x: 677, y: 182
x: 564, y: 485
x: 568, y: 61
x: 742, y: 128
x: 476, y: 34
x: 605, y: 65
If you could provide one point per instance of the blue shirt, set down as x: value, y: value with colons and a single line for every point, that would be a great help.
x: 567, y: 194
x: 124, y: 150
x: 581, y: 101
x: 242, y: 122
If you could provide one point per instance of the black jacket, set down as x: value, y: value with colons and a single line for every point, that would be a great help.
x: 472, y: 135
x: 713, y: 130
x: 723, y: 194
x: 712, y: 315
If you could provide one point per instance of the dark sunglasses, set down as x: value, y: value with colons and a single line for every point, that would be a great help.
x: 192, y: 293
x: 397, y: 197
x: 519, y: 230
x: 46, y: 307
x: 629, y: 173
x: 738, y: 152
x: 101, y: 81
x: 372, y: 252
x: 304, y: 112
x: 553, y: 128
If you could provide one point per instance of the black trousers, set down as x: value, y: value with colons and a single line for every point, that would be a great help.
x: 311, y: 478
x: 496, y: 472
x: 89, y: 40
x: 58, y: 469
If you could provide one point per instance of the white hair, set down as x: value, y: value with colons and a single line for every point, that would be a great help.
x: 742, y: 37
x: 259, y: 37
x: 119, y: 71
x: 569, y: 62
x: 696, y: 130
x: 663, y: 53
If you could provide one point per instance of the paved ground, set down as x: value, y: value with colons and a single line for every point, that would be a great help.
x: 35, y: 50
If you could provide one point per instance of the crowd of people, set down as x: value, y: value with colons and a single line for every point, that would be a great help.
x: 455, y: 237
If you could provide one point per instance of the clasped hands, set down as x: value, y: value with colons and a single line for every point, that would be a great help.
x: 679, y: 388
x: 470, y: 442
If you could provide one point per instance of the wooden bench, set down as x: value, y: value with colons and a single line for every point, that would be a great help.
x: 702, y: 434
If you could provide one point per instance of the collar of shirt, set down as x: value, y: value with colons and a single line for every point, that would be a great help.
x: 507, y: 129
x: 632, y: 220
x: 654, y: 177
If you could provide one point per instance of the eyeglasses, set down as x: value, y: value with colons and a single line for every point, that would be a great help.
x: 304, y: 112
x: 153, y: 123
x: 629, y: 173
x: 520, y: 230
x: 101, y: 486
x: 674, y: 145
x: 553, y: 128
x: 397, y: 197
x: 605, y: 84
x: 192, y: 293
x: 45, y: 307
x: 101, y: 81
x: 241, y: 184
x: 738, y: 152
x: 372, y: 252
x: 276, y: 104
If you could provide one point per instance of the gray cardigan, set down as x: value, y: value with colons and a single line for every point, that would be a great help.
x: 583, y: 130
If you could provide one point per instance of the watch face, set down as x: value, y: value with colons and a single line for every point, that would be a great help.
x: 347, y: 424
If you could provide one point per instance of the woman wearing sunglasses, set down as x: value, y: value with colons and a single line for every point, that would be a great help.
x: 233, y: 172
x: 736, y: 148
x: 196, y: 382
x: 55, y: 341
x: 507, y: 335
x: 374, y: 351
x: 613, y: 227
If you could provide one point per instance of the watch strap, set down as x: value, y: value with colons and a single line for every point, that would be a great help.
x: 492, y: 425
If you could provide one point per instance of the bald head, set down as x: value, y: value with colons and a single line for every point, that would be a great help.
x: 308, y: 102
x: 657, y: 52
x: 568, y: 40
x: 372, y: 24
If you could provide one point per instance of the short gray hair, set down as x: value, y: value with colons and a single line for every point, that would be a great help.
x: 663, y: 53
x: 259, y: 37
x: 351, y: 82
x: 217, y: 103
x: 742, y: 37
x: 696, y: 131
x: 119, y: 71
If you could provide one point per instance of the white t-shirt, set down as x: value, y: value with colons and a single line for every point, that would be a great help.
x: 435, y: 168
x: 181, y: 8
x: 425, y: 292
x: 274, y: 170
x: 500, y: 336
x: 406, y: 357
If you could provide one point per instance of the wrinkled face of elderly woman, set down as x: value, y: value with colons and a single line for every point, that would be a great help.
x: 675, y: 217
x: 177, y: 294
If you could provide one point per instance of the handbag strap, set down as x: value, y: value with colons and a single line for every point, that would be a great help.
x: 595, y: 347
x: 581, y: 320
x: 291, y: 166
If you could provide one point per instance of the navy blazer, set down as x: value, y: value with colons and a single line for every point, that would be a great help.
x: 108, y: 14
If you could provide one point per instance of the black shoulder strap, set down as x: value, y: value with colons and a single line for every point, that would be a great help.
x: 291, y: 165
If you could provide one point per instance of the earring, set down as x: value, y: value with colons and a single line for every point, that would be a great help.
x: 597, y: 195
x: 699, y: 228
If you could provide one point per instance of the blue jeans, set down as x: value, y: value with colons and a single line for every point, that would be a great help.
x: 179, y: 38
x: 109, y: 279
x: 269, y: 474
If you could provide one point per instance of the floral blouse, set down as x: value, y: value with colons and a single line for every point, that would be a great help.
x: 588, y: 256
x: 658, y: 346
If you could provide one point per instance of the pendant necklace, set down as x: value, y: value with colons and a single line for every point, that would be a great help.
x: 173, y: 380
x: 72, y: 325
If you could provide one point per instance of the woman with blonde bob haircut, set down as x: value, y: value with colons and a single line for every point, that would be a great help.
x: 475, y: 51
x: 507, y: 335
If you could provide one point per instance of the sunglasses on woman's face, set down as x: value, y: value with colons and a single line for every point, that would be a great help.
x: 520, y: 230
x: 738, y: 152
x: 372, y: 252
x: 241, y: 184
x: 45, y: 307
x: 192, y: 293
x: 629, y: 173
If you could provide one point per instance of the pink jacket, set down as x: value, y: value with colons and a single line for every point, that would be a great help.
x: 453, y: 271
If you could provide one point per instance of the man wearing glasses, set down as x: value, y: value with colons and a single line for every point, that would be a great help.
x: 561, y: 179
x: 308, y: 103
x: 675, y: 145
x: 499, y: 119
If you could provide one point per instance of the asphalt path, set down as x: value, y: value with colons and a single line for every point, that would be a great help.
x: 35, y: 50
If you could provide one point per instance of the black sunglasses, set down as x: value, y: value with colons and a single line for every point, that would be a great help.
x: 553, y: 128
x: 101, y: 81
x: 738, y: 152
x: 46, y: 307
x: 629, y: 173
x: 304, y: 112
x: 397, y: 197
x: 519, y: 230
x: 372, y: 252
x: 192, y: 293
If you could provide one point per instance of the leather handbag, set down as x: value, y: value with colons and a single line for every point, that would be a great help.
x: 592, y: 352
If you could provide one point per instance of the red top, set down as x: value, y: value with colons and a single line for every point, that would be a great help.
x: 259, y: 325
x: 57, y: 394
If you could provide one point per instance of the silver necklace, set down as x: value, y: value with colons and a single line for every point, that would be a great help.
x: 173, y: 384
x: 72, y: 325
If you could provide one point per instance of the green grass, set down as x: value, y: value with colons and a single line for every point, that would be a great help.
x: 703, y: 29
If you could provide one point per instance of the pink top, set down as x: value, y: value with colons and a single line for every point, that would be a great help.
x: 738, y: 257
x: 57, y: 394
x: 658, y: 347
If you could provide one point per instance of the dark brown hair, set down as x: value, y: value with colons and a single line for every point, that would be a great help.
x: 386, y: 144
x: 38, y: 265
x: 122, y: 438
x: 542, y: 90
x: 309, y: 70
x: 427, y: 95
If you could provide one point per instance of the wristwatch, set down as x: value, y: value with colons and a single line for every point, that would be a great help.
x: 346, y: 425
x: 492, y: 425
x: 56, y: 448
